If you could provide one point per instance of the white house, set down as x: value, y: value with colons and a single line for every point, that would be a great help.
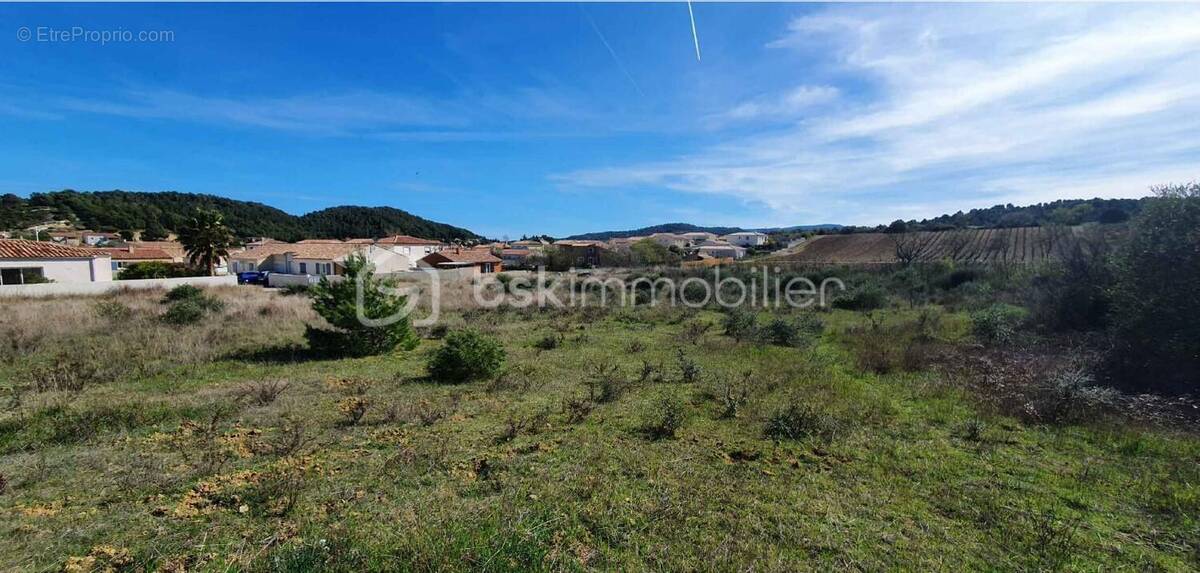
x: 24, y: 262
x: 721, y: 250
x: 697, y: 237
x: 315, y: 259
x: 415, y: 248
x: 746, y: 239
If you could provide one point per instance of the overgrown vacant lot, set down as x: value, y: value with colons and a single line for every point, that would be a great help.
x: 641, y: 438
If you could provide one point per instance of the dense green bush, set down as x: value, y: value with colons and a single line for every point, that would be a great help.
x: 466, y: 356
x: 183, y: 312
x: 183, y: 292
x: 867, y: 297
x: 156, y: 270
x: 1074, y: 293
x: 739, y: 324
x: 798, y: 420
x: 800, y: 331
x: 367, y: 316
x: 998, y: 323
x: 189, y: 305
x: 1156, y: 308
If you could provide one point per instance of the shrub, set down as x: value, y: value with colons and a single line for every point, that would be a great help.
x: 113, y: 310
x: 353, y: 408
x: 694, y: 330
x: 665, y: 417
x: 260, y: 393
x: 734, y: 395
x: 798, y: 420
x: 958, y: 277
x: 577, y: 409
x: 376, y: 323
x: 156, y: 270
x: 548, y: 342
x: 183, y: 292
x: 867, y: 297
x: 689, y: 370
x: 467, y: 355
x: 605, y: 384
x: 1155, y: 307
x: 997, y: 324
x: 798, y: 332
x: 185, y: 312
x: 1069, y: 396
x: 739, y: 324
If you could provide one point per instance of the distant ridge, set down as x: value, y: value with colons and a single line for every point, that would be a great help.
x: 689, y: 228
x: 167, y: 211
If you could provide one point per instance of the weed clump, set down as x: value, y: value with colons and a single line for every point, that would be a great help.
x: 689, y: 370
x: 467, y: 355
x: 667, y: 414
x: 112, y: 310
x: 799, y: 420
x: 734, y: 395
x: 260, y: 393
x: 605, y: 384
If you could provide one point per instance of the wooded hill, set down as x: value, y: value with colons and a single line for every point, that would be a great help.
x: 167, y: 211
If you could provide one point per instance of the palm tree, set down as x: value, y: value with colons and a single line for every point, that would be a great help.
x: 206, y: 239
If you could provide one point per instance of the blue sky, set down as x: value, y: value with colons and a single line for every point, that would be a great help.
x: 566, y: 118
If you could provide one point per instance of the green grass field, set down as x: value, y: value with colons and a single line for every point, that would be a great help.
x: 159, y: 447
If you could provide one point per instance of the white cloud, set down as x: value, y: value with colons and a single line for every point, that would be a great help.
x: 799, y: 99
x: 968, y: 103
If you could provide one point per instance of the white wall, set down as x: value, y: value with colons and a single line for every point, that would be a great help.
x: 60, y: 289
x: 388, y: 260
x: 97, y: 269
x: 746, y: 240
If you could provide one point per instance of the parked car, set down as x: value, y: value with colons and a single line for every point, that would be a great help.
x: 252, y: 278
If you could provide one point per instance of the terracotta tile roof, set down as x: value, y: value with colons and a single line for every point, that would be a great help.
x: 580, y: 243
x: 135, y: 254
x: 515, y: 253
x: 465, y: 256
x: 21, y: 249
x: 319, y: 242
x: 173, y: 248
x: 319, y: 251
x: 406, y: 240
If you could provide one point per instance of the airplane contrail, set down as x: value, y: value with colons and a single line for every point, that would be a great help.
x: 695, y: 38
x: 612, y: 52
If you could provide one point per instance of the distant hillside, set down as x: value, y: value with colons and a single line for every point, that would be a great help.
x: 1061, y: 212
x: 688, y: 228
x: 167, y: 211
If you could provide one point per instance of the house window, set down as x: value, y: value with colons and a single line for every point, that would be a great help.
x: 487, y: 267
x: 303, y: 268
x: 21, y: 276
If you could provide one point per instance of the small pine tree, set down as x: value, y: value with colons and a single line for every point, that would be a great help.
x: 338, y: 303
x: 467, y: 355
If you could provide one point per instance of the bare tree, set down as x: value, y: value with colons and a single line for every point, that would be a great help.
x: 908, y: 246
